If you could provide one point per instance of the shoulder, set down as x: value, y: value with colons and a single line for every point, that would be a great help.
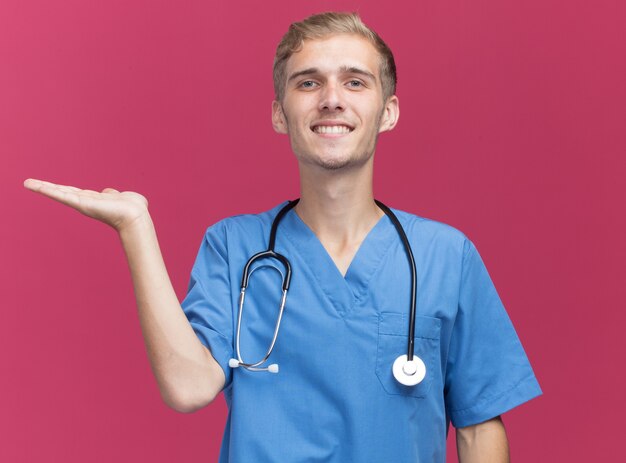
x: 242, y: 225
x: 238, y: 236
x: 433, y: 233
x: 415, y: 225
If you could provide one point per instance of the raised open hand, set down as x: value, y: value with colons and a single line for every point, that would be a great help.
x: 117, y: 209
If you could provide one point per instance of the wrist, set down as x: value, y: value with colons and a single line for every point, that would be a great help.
x: 139, y: 226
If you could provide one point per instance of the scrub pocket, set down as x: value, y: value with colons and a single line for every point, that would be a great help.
x: 392, y: 342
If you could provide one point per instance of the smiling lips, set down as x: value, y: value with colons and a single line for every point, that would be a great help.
x: 332, y: 129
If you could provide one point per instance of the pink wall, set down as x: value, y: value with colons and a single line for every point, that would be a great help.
x: 512, y: 129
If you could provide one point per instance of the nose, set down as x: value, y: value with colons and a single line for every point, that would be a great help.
x: 331, y: 98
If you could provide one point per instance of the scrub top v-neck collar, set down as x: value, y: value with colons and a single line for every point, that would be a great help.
x: 343, y: 292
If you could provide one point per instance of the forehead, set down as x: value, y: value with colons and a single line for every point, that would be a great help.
x: 334, y: 52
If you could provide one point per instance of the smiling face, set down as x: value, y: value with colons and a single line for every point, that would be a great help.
x: 333, y: 107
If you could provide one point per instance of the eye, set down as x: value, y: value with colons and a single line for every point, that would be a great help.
x: 308, y: 84
x: 354, y: 83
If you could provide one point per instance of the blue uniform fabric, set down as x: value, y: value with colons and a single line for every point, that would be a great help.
x: 335, y: 398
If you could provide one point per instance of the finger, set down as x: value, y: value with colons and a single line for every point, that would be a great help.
x: 32, y: 184
x: 36, y: 185
x: 46, y: 188
x: 110, y: 190
x: 63, y: 193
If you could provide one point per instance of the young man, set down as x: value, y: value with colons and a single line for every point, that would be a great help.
x: 346, y: 319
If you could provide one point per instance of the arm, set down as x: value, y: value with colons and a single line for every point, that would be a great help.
x: 188, y: 376
x: 483, y: 443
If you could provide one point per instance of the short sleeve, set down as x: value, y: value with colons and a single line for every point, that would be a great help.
x: 208, y: 303
x: 488, y: 372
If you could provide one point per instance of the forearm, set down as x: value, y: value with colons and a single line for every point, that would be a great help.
x: 483, y: 443
x: 187, y: 375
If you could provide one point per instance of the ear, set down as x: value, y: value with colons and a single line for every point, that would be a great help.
x: 278, y: 118
x: 391, y: 114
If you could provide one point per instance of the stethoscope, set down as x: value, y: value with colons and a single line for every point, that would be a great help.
x: 408, y: 369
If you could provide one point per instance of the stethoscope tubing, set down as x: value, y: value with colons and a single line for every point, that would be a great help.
x: 400, y: 366
x: 409, y: 253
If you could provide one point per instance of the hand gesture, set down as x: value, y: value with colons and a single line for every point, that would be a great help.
x: 117, y: 209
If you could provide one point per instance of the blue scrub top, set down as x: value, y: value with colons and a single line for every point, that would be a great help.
x: 335, y: 398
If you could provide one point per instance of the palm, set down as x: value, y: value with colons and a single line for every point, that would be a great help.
x: 117, y: 209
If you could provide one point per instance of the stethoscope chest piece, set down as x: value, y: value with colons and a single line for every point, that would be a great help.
x: 409, y: 373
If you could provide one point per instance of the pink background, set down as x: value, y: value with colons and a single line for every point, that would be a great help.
x: 512, y: 129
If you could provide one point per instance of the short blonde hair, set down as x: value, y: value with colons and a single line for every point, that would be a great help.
x: 322, y: 25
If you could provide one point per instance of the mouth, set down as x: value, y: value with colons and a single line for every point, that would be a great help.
x: 332, y: 129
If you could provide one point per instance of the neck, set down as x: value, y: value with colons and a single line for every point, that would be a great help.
x: 338, y: 205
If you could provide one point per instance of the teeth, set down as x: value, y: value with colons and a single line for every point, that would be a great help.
x: 333, y: 129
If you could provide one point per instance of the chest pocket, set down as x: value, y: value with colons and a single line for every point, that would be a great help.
x: 392, y: 342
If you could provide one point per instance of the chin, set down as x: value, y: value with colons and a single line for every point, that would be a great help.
x: 334, y: 161
x: 337, y: 163
x: 334, y: 164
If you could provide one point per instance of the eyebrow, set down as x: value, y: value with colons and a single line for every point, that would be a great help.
x: 342, y: 70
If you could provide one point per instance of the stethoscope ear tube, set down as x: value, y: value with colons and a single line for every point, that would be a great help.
x: 256, y: 366
x: 245, y: 279
x: 269, y: 254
